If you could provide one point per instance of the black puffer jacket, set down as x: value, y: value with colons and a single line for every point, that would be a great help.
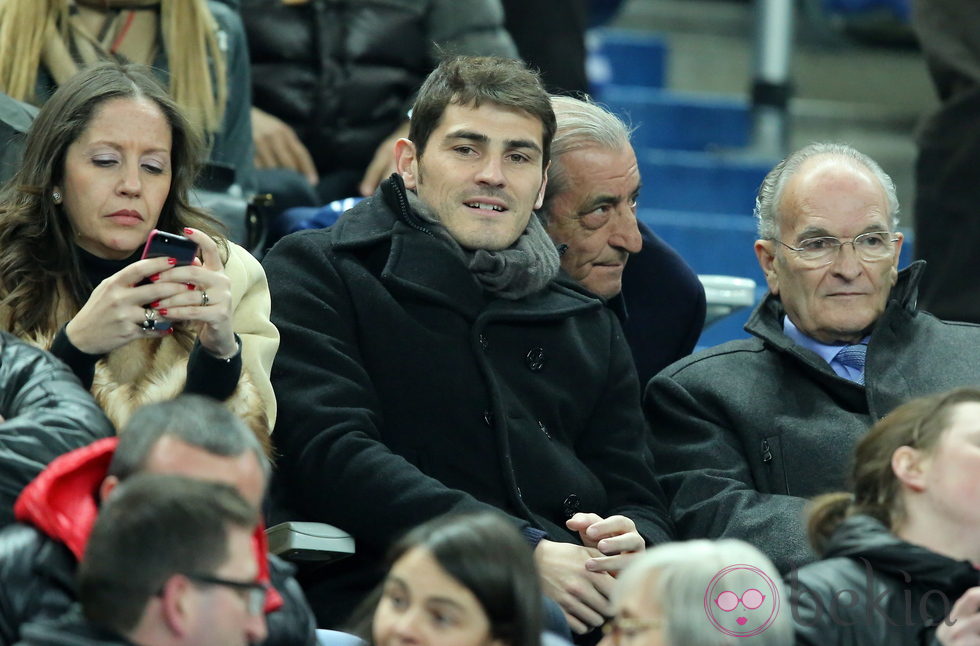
x: 873, y: 588
x: 343, y: 73
x: 44, y: 412
x: 71, y: 630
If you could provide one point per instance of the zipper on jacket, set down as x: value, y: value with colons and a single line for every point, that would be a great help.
x: 766, y: 452
x: 396, y: 188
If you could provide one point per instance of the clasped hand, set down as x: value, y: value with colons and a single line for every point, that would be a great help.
x: 580, y: 577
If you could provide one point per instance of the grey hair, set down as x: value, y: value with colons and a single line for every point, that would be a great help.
x: 582, y: 123
x: 197, y: 420
x: 771, y: 191
x: 680, y: 574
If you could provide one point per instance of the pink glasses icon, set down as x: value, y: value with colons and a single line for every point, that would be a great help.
x: 751, y: 599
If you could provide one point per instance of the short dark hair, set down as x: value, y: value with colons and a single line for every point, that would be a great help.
x: 194, y: 419
x: 473, y: 80
x: 490, y: 558
x: 152, y: 527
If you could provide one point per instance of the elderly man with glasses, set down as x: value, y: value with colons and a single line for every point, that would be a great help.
x: 745, y: 432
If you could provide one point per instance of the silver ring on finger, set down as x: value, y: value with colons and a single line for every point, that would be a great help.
x: 204, y: 298
x: 148, y: 324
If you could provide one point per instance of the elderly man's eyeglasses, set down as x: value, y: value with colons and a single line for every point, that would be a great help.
x: 628, y: 627
x: 870, y: 247
x: 252, y: 591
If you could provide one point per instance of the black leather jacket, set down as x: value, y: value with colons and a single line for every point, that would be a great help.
x: 872, y: 588
x: 44, y: 412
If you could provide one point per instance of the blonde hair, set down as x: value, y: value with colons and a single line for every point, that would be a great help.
x: 189, y: 38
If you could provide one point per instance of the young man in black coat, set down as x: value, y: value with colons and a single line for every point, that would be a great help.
x: 432, y: 363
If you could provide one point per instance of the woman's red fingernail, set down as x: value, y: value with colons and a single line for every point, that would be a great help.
x: 163, y: 311
x: 155, y: 304
x: 191, y: 286
x: 155, y: 277
x: 171, y: 261
x: 188, y: 231
x: 170, y: 330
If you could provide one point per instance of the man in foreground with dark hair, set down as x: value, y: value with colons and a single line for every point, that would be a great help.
x: 433, y: 362
x: 191, y: 436
x: 169, y: 563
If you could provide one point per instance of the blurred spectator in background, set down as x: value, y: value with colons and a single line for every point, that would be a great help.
x: 700, y: 593
x: 589, y: 211
x: 947, y: 224
x: 15, y: 121
x: 44, y: 412
x: 197, y: 47
x: 550, y: 36
x: 170, y: 562
x: 189, y: 436
x: 110, y: 158
x: 333, y: 83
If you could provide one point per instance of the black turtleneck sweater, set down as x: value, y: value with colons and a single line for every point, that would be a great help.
x: 206, y: 373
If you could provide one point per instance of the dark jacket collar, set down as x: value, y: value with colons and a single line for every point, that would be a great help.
x: 864, y: 538
x: 766, y: 321
x: 424, y: 264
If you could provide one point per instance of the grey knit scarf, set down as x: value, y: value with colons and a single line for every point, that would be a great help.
x: 524, y: 268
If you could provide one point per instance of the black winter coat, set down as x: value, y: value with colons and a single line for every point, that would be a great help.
x: 45, y: 412
x: 746, y: 432
x: 406, y: 392
x: 897, y: 593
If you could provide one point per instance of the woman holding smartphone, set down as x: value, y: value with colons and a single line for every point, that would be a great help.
x: 109, y: 159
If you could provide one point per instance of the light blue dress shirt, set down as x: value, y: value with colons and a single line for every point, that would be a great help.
x: 827, y: 352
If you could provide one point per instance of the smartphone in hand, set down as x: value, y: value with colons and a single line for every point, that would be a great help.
x: 160, y: 244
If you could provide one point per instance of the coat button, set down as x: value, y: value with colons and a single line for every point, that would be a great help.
x: 535, y: 359
x: 544, y: 429
x: 571, y: 505
x: 488, y: 417
x: 483, y: 342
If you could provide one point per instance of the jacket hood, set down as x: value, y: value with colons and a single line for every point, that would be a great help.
x: 863, y: 537
x: 63, y: 503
